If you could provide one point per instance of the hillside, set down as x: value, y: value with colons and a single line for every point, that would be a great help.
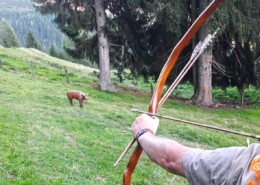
x: 41, y: 58
x: 24, y: 18
x: 44, y: 140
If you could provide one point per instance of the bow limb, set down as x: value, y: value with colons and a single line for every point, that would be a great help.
x: 177, y: 50
x: 132, y: 164
x: 201, y: 46
x: 153, y: 106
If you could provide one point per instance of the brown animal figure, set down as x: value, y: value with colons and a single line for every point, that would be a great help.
x: 80, y: 96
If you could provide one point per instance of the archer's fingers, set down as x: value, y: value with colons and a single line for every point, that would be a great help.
x: 146, y: 119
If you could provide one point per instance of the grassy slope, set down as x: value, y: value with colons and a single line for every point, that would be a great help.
x: 46, y: 141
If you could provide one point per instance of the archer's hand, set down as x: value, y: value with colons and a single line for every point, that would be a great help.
x: 145, y: 121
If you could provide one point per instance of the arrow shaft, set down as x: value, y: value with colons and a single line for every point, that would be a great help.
x: 199, y: 124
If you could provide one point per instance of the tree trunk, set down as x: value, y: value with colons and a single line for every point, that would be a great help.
x: 103, y: 48
x: 151, y: 89
x: 257, y: 62
x: 204, y: 89
x: 194, y: 41
x: 242, y: 95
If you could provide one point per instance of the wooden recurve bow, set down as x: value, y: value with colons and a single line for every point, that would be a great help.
x: 153, y: 106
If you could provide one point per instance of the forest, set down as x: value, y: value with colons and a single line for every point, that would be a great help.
x: 24, y: 19
x: 140, y: 35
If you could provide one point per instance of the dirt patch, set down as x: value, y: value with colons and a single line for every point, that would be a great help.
x: 12, y: 69
x: 132, y: 91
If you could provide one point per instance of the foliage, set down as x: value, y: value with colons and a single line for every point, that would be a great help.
x: 184, y: 90
x: 8, y: 37
x: 229, y: 97
x: 142, y: 33
x: 239, y: 21
x: 53, y: 51
x: 139, y: 36
x: 23, y: 18
x: 232, y: 96
x: 68, y: 43
x: 148, y: 31
x: 238, y: 17
x: 31, y: 42
x: 77, y: 25
x: 257, y: 72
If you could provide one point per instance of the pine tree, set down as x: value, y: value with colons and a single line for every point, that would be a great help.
x: 8, y: 37
x: 53, y: 51
x: 147, y: 31
x: 235, y: 49
x: 79, y: 20
x: 31, y: 42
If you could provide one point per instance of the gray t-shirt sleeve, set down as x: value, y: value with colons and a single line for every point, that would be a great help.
x: 224, y: 166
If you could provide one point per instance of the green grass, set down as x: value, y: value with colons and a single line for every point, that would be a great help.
x: 44, y: 140
x: 230, y: 96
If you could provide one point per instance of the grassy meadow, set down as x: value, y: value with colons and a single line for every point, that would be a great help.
x: 44, y: 140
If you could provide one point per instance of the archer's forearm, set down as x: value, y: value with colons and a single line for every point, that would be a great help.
x: 165, y: 152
